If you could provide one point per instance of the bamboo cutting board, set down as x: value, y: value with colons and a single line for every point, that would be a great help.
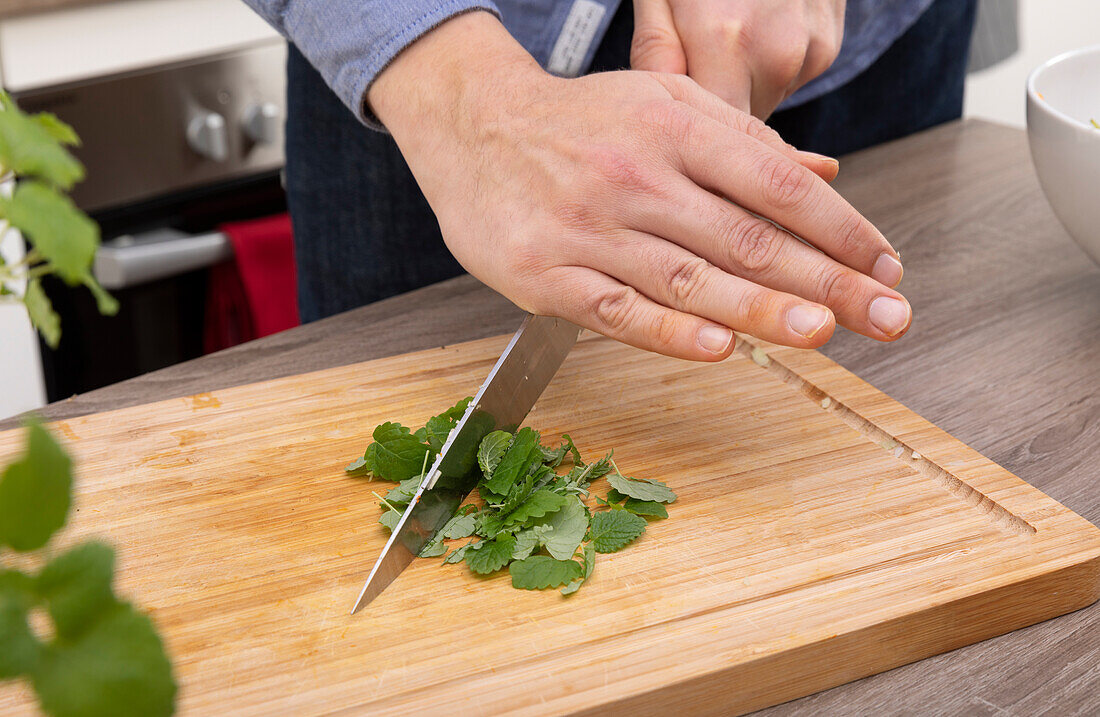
x: 823, y: 533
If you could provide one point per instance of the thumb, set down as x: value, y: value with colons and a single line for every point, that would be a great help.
x: 656, y: 45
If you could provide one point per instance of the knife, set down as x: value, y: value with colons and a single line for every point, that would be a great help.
x: 517, y: 380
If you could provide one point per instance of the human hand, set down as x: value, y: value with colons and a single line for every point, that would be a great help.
x: 603, y: 200
x: 751, y: 53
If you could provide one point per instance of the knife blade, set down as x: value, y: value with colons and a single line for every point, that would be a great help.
x: 519, y: 377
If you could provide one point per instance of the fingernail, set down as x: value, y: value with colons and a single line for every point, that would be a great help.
x: 807, y: 320
x: 823, y: 158
x: 887, y: 270
x: 715, y: 339
x: 889, y: 315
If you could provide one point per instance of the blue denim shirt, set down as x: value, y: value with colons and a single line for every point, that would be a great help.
x: 351, y: 41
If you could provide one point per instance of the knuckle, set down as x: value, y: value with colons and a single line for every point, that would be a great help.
x: 733, y: 34
x: 619, y: 170
x: 786, y: 184
x: 663, y: 328
x: 687, y: 278
x: 755, y: 310
x: 837, y: 288
x: 751, y: 244
x: 613, y: 308
x: 672, y: 121
x: 649, y: 43
x: 848, y: 241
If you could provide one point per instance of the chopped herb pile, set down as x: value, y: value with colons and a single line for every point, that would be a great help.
x: 531, y: 516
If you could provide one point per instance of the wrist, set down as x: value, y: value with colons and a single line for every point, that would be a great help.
x: 444, y: 79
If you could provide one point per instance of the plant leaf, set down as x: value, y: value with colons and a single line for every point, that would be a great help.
x: 439, y: 427
x: 358, y: 468
x: 403, y: 494
x: 57, y: 129
x: 457, y: 555
x: 433, y: 548
x: 538, y: 504
x: 641, y: 489
x: 646, y: 507
x: 589, y: 565
x: 104, y: 302
x: 76, y: 586
x: 389, y: 519
x: 526, y: 542
x: 31, y: 148
x: 488, y: 556
x: 19, y: 648
x: 516, y: 462
x: 491, y: 450
x: 61, y: 233
x: 540, y: 572
x: 395, y: 454
x: 35, y: 492
x: 615, y: 529
x: 459, y: 526
x: 565, y: 529
x: 116, y: 666
x: 41, y: 313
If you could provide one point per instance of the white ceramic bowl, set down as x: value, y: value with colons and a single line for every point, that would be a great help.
x: 1063, y: 95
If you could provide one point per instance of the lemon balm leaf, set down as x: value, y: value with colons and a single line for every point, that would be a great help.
x: 35, y: 492
x: 615, y: 529
x: 540, y: 572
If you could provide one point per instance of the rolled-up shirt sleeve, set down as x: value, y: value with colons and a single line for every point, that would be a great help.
x: 351, y: 41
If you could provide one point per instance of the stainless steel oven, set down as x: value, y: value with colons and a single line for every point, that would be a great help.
x: 171, y: 151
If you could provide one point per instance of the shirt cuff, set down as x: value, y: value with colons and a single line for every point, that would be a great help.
x: 350, y: 43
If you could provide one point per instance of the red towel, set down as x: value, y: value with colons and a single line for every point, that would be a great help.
x: 256, y: 294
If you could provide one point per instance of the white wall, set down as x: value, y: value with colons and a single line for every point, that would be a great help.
x: 21, y: 387
x: 1047, y: 28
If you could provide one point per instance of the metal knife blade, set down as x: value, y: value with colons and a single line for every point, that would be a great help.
x: 519, y: 377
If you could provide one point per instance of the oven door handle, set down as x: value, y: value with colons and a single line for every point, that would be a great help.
x: 136, y: 259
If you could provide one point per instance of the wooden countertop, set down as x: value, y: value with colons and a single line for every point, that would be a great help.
x: 1003, y: 354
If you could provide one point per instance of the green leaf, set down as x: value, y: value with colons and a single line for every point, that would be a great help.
x: 540, y: 572
x: 433, y: 548
x: 31, y: 147
x: 615, y: 529
x: 538, y: 504
x: 105, y: 303
x: 457, y: 555
x: 646, y: 507
x: 57, y: 129
x: 641, y: 489
x: 117, y: 666
x: 516, y: 462
x: 520, y: 492
x: 389, y: 519
x: 403, y: 494
x: 35, y: 492
x: 358, y: 468
x: 565, y: 529
x: 589, y: 565
x: 19, y: 648
x: 61, y: 233
x: 439, y: 427
x: 459, y: 526
x: 577, y: 460
x: 488, y: 556
x: 491, y: 450
x: 526, y: 542
x: 41, y: 313
x: 395, y: 454
x: 76, y: 586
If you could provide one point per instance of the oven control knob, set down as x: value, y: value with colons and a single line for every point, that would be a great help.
x: 208, y: 135
x: 262, y: 122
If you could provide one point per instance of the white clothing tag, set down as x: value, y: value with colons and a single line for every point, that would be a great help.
x: 575, y: 38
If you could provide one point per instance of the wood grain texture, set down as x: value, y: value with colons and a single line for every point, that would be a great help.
x: 1002, y: 355
x: 802, y: 552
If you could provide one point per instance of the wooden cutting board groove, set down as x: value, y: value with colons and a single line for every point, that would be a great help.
x: 801, y: 553
x: 758, y: 354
